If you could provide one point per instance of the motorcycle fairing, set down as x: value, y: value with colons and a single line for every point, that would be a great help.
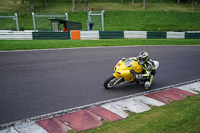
x: 122, y: 69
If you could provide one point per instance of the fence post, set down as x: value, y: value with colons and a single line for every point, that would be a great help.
x: 89, y: 19
x: 34, y: 21
x: 102, y: 19
x: 66, y: 16
x: 16, y: 18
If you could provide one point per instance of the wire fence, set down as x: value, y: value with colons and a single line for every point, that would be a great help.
x: 97, y: 17
x: 9, y: 22
x: 41, y: 22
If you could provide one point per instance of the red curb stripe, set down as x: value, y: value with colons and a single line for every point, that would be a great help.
x: 182, y: 92
x: 170, y: 94
x: 162, y: 99
x: 106, y: 114
x: 81, y: 120
x: 166, y: 96
x: 52, y: 125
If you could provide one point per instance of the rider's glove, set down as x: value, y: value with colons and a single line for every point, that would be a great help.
x: 138, y: 76
x: 123, y: 59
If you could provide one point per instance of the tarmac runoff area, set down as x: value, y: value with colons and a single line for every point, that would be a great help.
x: 93, y: 115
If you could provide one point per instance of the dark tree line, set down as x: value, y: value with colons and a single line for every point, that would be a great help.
x: 74, y: 8
x: 188, y: 1
x: 32, y: 3
x: 193, y: 3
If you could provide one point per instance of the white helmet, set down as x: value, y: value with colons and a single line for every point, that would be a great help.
x: 143, y: 57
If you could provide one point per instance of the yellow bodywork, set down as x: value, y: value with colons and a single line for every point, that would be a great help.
x: 136, y: 67
x: 121, y: 70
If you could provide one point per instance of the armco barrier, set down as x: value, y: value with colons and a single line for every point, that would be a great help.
x: 95, y: 35
x: 192, y: 35
x: 75, y: 34
x: 89, y: 35
x: 156, y: 35
x: 5, y: 30
x: 111, y: 34
x: 15, y: 35
x: 51, y: 35
x: 175, y: 35
x: 135, y: 34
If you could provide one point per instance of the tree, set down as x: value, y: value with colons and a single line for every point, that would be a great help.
x: 144, y: 4
x: 31, y: 4
x: 133, y: 2
x: 86, y: 5
x: 194, y: 2
x: 21, y: 2
x: 73, y: 5
x: 44, y: 2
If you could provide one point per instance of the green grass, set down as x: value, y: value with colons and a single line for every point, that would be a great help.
x: 158, y: 16
x: 122, y: 20
x: 176, y: 117
x: 152, y: 21
x: 49, y: 44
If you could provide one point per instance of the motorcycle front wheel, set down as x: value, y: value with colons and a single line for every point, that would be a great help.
x: 110, y: 82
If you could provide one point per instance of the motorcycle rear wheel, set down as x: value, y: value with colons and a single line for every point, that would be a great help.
x: 110, y: 82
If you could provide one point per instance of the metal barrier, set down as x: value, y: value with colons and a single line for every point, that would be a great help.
x: 51, y: 35
x: 111, y: 34
x: 14, y: 18
x: 15, y: 35
x: 156, y: 35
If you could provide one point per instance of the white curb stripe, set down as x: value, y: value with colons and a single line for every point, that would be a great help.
x: 30, y: 127
x: 196, y: 86
x: 115, y: 109
x: 149, y: 101
x: 9, y: 130
x: 137, y: 103
x: 185, y: 88
x: 193, y: 88
x: 133, y: 105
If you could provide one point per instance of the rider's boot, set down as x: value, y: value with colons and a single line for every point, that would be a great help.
x: 147, y: 84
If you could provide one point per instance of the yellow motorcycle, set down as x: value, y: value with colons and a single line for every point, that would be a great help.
x: 126, y: 71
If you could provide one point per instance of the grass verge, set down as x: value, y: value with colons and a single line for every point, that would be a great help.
x: 117, y: 21
x: 176, y: 117
x: 158, y: 16
x: 51, y: 44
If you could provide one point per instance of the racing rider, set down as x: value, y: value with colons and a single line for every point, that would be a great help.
x: 148, y: 68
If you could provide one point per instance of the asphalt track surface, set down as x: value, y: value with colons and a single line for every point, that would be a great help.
x: 34, y: 83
